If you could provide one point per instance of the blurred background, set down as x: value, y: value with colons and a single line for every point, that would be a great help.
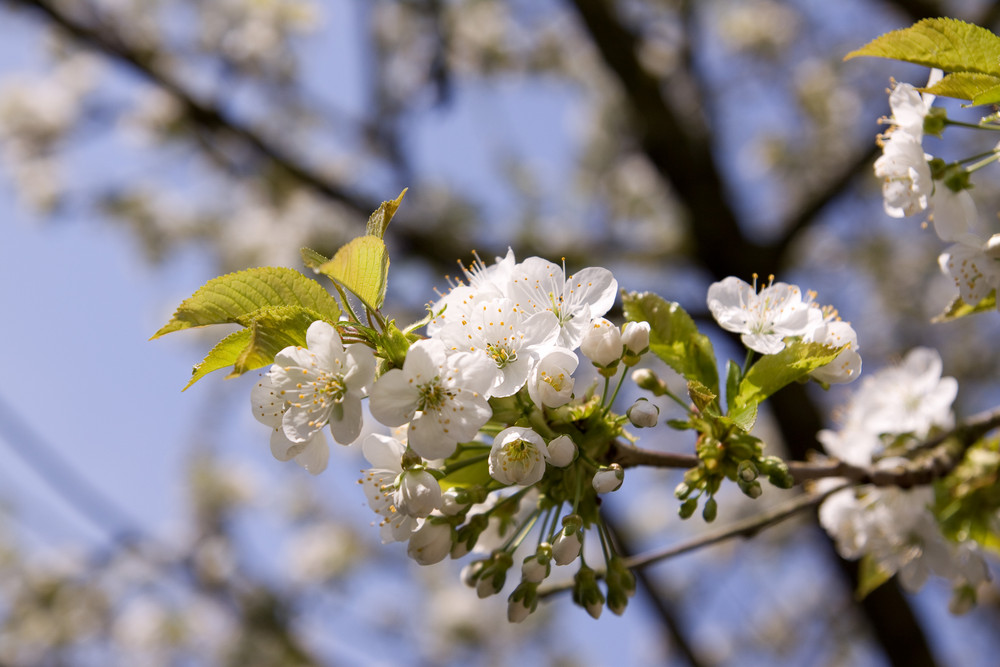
x: 147, y: 146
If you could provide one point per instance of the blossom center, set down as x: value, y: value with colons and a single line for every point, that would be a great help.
x: 502, y: 354
x: 432, y: 396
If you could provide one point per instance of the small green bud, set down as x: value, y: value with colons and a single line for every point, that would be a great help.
x: 747, y: 471
x: 586, y: 592
x: 682, y: 491
x: 710, y: 510
x: 646, y: 379
x: 935, y: 121
x: 688, y: 507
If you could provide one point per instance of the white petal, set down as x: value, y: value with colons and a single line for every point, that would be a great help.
x: 394, y: 398
x: 268, y: 407
x: 381, y: 451
x: 315, y: 456
x: 347, y: 427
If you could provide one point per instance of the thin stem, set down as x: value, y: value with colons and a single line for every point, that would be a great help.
x: 347, y: 304
x: 973, y: 126
x: 746, y: 528
x: 464, y: 463
x: 982, y: 163
x: 747, y: 361
x: 515, y: 540
x: 676, y: 399
x: 607, y: 408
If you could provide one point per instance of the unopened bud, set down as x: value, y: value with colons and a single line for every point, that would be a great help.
x: 522, y: 602
x: 643, y: 414
x: 602, y: 343
x: 710, y: 510
x: 608, y: 479
x: 562, y: 451
x: 635, y: 337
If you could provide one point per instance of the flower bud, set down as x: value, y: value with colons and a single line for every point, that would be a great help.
x: 468, y: 535
x: 608, y: 479
x: 430, y: 543
x: 452, y: 501
x: 635, y: 337
x: 567, y: 545
x: 643, y: 414
x: 538, y: 565
x: 419, y: 493
x: 522, y: 602
x: 710, y: 510
x: 602, y: 343
x: 646, y: 379
x: 562, y: 451
x: 470, y: 573
x: 586, y: 593
x: 494, y: 575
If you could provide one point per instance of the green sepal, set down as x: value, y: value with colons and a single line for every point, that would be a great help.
x: 871, y: 575
x: 773, y: 371
x: 674, y: 337
x: 393, y: 345
x: 239, y: 298
x: 959, y: 308
x: 947, y: 44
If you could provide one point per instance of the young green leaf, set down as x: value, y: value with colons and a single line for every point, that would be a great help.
x: 225, y: 353
x: 959, y: 308
x: 270, y: 332
x: 361, y: 266
x: 312, y: 259
x: 773, y: 371
x: 733, y: 376
x: 674, y: 338
x: 964, y: 85
x: 240, y: 297
x: 948, y: 44
x: 380, y: 219
x: 871, y: 575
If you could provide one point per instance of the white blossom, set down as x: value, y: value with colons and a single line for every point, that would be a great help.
x: 608, y: 479
x: 442, y: 396
x: 385, y: 455
x: 499, y: 331
x: 834, y: 332
x: 430, y: 543
x: 764, y: 319
x: 322, y: 384
x: 483, y: 282
x: 541, y: 286
x: 974, y: 265
x: 269, y: 408
x: 551, y: 382
x: 518, y: 456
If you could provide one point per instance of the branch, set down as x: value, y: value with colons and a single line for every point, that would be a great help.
x: 746, y: 528
x: 943, y: 452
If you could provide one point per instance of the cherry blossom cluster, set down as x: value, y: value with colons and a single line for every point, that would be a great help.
x: 486, y: 402
x: 766, y: 319
x: 915, y: 182
x: 895, y: 527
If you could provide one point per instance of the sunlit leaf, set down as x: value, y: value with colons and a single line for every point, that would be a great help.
x: 313, y: 259
x: 380, y: 219
x: 225, y: 353
x: 361, y: 266
x: 959, y: 308
x: 271, y: 332
x: 773, y: 371
x: 948, y: 44
x: 674, y: 338
x: 871, y: 575
x: 238, y: 298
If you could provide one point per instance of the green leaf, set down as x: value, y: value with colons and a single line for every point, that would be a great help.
x: 225, y: 353
x: 312, y: 259
x: 733, y: 376
x: 475, y: 472
x: 270, y: 332
x: 745, y: 417
x: 674, y: 338
x: 701, y: 396
x: 959, y: 308
x: 871, y: 575
x: 361, y: 266
x: 948, y: 44
x: 380, y: 219
x: 240, y: 297
x: 964, y: 85
x: 773, y: 371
